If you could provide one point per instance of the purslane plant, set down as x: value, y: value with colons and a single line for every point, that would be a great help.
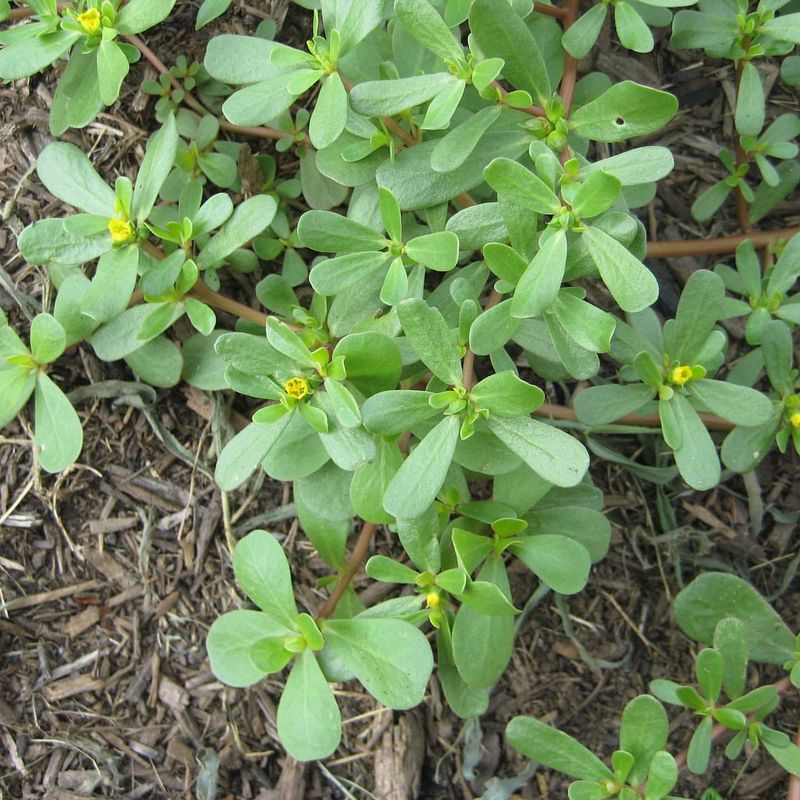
x: 98, y: 62
x: 727, y: 613
x: 458, y: 245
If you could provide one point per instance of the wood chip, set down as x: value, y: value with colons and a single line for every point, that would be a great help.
x: 180, y: 751
x: 172, y: 695
x: 48, y: 597
x: 76, y: 625
x: 113, y: 525
x: 109, y: 567
x: 69, y: 687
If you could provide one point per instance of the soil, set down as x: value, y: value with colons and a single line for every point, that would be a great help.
x: 112, y: 572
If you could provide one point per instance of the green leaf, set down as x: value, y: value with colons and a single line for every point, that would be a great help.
x: 58, y: 434
x: 554, y: 749
x: 432, y: 340
x: 698, y: 312
x: 730, y: 640
x: 596, y: 194
x: 453, y: 149
x: 76, y: 101
x: 248, y: 220
x: 112, y: 67
x: 662, y: 775
x: 783, y: 751
x: 643, y: 732
x: 372, y: 361
x: 344, y: 404
x: 157, y: 163
x: 390, y: 657
x: 713, y: 596
x: 631, y: 283
x: 209, y: 10
x: 422, y: 474
x: 201, y: 316
x: 559, y: 562
x: 424, y: 23
x: 777, y: 348
x: 334, y: 275
x: 581, y: 36
x: 708, y: 667
x: 390, y: 214
x: 492, y: 329
x: 625, y: 110
x: 48, y: 339
x: 330, y: 112
x: 139, y: 15
x: 500, y: 33
x: 521, y: 186
x: 601, y: 405
x: 506, y: 395
x: 633, y: 31
x: 327, y: 232
x: 486, y: 598
x: 558, y: 457
x: 750, y: 107
x: 635, y: 166
x: 262, y: 570
x: 371, y: 480
x: 381, y: 568
x: 482, y: 644
x: 463, y: 700
x: 586, y: 526
x: 243, y: 454
x: 740, y: 405
x: 113, y: 284
x: 387, y: 98
x: 230, y: 640
x: 709, y: 200
x: 159, y: 362
x: 69, y: 175
x: 269, y: 655
x: 393, y: 412
x: 700, y: 747
x: 16, y: 387
x: 37, y: 53
x: 309, y: 722
x: 438, y: 251
x: 540, y: 283
x: 696, y: 456
x: 286, y: 341
x: 48, y: 240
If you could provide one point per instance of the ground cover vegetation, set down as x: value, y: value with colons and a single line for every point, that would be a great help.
x: 460, y: 231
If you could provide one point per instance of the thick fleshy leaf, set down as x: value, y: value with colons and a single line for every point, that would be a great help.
x: 386, y: 98
x: 112, y: 67
x: 242, y: 455
x: 633, y: 285
x: 539, y: 285
x: 309, y: 722
x: 554, y: 749
x: 696, y: 456
x: 113, y: 284
x: 68, y: 174
x: 230, y: 640
x: 58, y: 433
x: 521, y: 186
x: 713, y: 596
x: 330, y: 112
x: 432, y: 339
x: 558, y: 457
x: 422, y: 474
x: 643, y: 732
x: 559, y: 562
x: 390, y: 657
x: 139, y: 15
x: 740, y: 405
x: 262, y: 571
x: 158, y: 160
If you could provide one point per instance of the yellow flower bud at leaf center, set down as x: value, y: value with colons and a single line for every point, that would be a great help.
x: 89, y: 20
x: 296, y: 388
x: 433, y: 599
x: 795, y: 419
x: 681, y: 375
x: 120, y: 230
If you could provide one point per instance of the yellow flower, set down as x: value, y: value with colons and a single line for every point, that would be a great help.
x: 795, y: 419
x: 89, y: 20
x: 120, y: 230
x: 681, y: 375
x: 296, y: 388
x: 433, y: 599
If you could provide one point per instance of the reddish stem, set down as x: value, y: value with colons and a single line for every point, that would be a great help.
x: 723, y: 244
x: 550, y: 11
x: 357, y: 558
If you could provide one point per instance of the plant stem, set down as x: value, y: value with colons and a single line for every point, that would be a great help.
x: 570, y: 76
x: 357, y: 558
x: 568, y: 414
x: 723, y: 244
x: 550, y: 11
